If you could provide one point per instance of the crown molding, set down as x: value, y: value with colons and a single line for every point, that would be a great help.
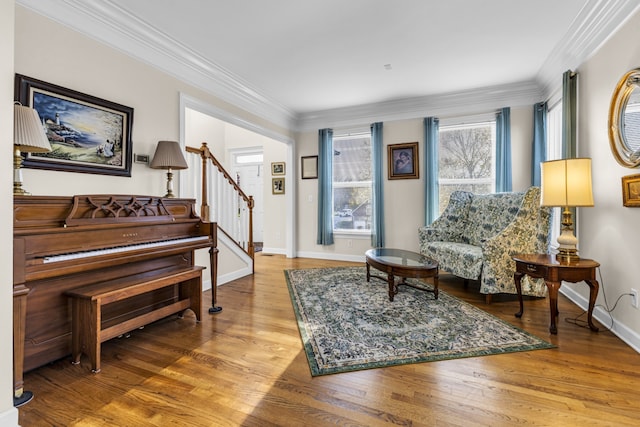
x: 444, y: 105
x: 109, y: 24
x: 105, y: 22
x: 596, y: 22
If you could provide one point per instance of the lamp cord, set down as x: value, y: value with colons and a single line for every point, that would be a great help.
x: 583, y: 323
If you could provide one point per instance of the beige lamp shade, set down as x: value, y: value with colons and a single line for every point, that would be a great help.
x: 566, y: 182
x: 28, y: 133
x: 29, y: 136
x: 168, y: 155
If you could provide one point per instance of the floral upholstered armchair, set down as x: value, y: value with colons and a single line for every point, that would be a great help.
x: 476, y: 236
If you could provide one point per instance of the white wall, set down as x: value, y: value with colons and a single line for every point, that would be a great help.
x: 608, y: 232
x: 222, y: 137
x: 8, y: 414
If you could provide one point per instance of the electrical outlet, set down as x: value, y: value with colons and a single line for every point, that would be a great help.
x: 634, y: 298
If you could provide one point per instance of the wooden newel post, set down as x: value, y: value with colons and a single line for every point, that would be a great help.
x: 205, y: 154
x: 250, y: 204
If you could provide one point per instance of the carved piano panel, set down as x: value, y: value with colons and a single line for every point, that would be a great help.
x: 133, y: 234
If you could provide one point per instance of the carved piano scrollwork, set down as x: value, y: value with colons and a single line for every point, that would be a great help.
x: 108, y: 209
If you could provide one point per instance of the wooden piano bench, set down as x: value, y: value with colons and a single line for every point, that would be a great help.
x: 87, y: 330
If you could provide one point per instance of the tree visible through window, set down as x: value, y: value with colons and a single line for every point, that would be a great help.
x: 466, y: 159
x: 352, y: 178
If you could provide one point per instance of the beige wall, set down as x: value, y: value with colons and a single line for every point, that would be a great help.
x: 403, y: 199
x: 608, y: 232
x: 47, y: 51
x: 8, y: 414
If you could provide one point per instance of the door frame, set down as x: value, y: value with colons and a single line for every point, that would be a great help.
x: 192, y: 103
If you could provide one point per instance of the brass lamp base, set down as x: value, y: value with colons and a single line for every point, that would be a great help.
x: 17, y: 174
x: 567, y: 241
x: 567, y: 256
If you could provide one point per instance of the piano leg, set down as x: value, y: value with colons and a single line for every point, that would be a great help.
x: 20, y: 395
x: 213, y: 261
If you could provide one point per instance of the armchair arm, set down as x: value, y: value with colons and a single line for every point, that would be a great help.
x: 449, y: 226
x: 525, y: 234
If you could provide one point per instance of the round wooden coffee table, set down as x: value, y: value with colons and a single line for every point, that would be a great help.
x: 404, y: 264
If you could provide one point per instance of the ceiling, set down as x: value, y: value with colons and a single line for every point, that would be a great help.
x: 305, y: 59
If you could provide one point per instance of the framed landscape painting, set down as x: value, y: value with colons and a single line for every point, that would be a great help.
x: 87, y: 134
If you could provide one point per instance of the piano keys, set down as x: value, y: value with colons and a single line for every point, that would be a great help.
x: 62, y: 243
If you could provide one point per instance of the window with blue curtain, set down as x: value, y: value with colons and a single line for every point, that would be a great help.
x: 432, y: 193
x: 539, y: 147
x: 325, y: 187
x: 377, y: 199
x: 503, y: 150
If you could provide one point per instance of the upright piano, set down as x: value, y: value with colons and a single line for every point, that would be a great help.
x: 60, y: 243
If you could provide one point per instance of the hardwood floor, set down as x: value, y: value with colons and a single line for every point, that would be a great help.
x: 245, y: 366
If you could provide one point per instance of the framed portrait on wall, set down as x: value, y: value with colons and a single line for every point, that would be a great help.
x: 86, y: 134
x: 403, y: 160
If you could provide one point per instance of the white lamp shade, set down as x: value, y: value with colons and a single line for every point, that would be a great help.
x: 566, y: 182
x: 28, y: 133
x: 168, y: 155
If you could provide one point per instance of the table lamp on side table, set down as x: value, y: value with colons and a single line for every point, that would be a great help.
x: 566, y: 183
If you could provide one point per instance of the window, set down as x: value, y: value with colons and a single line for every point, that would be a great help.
x: 248, y: 157
x: 352, y: 178
x: 466, y: 159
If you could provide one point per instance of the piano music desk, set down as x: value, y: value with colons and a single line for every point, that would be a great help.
x: 87, y: 330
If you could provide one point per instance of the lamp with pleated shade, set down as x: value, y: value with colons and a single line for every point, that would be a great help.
x: 28, y: 137
x: 168, y: 156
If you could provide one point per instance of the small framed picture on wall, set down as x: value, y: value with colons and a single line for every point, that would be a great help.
x: 277, y: 168
x: 309, y: 167
x: 631, y: 191
x: 403, y: 160
x: 277, y: 185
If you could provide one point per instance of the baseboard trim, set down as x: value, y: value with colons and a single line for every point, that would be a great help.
x: 332, y: 256
x: 622, y: 331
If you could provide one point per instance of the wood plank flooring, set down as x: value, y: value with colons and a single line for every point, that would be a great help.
x: 246, y: 367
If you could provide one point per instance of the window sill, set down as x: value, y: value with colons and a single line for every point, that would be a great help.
x: 363, y: 234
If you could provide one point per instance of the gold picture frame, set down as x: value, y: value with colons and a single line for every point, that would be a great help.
x: 631, y: 191
x: 277, y: 168
x: 403, y: 161
x: 277, y: 185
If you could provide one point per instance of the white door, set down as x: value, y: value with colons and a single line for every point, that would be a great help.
x: 250, y: 180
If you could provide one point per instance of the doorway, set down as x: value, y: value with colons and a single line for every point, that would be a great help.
x: 248, y: 170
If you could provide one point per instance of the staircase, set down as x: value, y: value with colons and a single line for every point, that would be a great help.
x: 230, y: 208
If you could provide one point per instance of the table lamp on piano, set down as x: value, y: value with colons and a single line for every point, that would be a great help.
x: 28, y: 137
x: 168, y: 156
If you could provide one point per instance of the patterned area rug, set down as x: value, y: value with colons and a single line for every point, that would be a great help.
x: 347, y: 324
